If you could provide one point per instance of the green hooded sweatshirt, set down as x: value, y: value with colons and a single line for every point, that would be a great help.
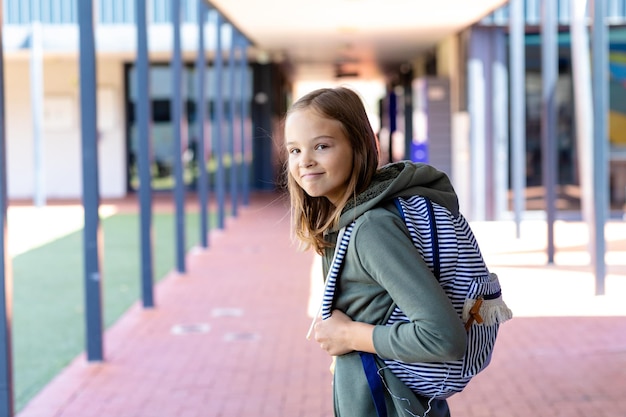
x: 382, y: 269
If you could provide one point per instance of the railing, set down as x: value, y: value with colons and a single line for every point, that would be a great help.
x: 23, y: 12
x: 616, y: 13
x: 48, y: 11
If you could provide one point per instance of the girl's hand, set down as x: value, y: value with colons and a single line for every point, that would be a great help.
x: 339, y: 335
x: 332, y: 333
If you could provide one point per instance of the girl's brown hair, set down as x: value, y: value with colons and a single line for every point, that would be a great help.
x: 312, y: 216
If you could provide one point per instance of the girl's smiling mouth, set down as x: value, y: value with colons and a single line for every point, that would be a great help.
x: 311, y: 175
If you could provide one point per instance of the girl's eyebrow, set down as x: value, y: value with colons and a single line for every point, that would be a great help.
x: 323, y: 137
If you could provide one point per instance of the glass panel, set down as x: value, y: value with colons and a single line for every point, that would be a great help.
x: 162, y: 130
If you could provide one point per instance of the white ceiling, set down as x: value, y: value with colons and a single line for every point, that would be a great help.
x: 370, y: 34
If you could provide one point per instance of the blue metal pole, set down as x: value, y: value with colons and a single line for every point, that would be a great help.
x: 245, y: 93
x: 203, y: 182
x: 600, y: 83
x: 177, y: 120
x: 231, y: 123
x: 144, y: 156
x: 518, y: 111
x: 218, y: 122
x: 549, y: 74
x: 91, y: 194
x: 6, y: 276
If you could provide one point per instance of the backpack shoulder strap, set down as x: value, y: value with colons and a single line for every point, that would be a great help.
x: 432, y: 228
x: 343, y: 238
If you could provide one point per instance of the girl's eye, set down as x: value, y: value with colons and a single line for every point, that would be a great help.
x: 294, y: 151
x: 321, y: 147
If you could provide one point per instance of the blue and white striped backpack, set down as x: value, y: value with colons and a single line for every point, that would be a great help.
x: 447, y: 245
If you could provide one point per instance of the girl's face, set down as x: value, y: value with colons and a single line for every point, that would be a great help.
x: 320, y: 154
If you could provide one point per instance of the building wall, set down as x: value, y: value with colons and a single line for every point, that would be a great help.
x: 61, y: 128
x: 111, y: 127
x: 19, y: 143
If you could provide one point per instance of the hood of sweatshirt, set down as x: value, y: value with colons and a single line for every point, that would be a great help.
x: 402, y: 179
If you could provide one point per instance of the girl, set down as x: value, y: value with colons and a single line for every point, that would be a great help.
x: 333, y: 179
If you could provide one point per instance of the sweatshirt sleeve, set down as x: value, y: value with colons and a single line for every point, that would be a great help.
x: 434, y: 332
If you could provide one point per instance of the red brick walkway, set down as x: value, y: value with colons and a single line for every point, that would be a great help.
x: 227, y: 340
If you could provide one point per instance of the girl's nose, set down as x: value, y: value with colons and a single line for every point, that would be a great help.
x: 306, y: 161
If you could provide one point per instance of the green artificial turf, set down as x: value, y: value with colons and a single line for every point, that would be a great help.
x: 48, y: 324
